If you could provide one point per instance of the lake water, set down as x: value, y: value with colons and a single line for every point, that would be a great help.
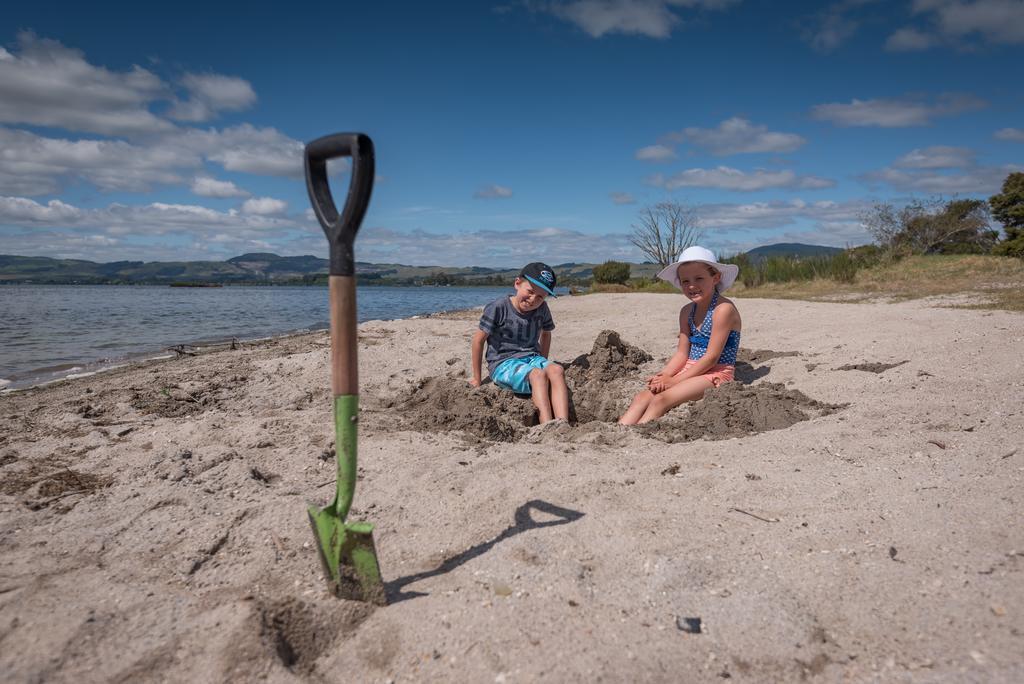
x: 53, y: 331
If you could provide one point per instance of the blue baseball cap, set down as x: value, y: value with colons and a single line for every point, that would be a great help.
x: 541, y: 275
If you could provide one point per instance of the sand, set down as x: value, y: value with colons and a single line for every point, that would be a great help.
x: 849, y: 511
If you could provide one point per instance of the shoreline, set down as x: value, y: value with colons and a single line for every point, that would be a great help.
x: 45, y: 376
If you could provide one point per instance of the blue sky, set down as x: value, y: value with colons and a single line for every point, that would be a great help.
x: 505, y: 131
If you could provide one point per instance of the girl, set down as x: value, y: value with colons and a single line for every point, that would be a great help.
x: 709, y: 337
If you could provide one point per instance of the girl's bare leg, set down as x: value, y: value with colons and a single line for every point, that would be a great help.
x: 539, y: 394
x: 690, y: 389
x: 559, y: 392
x: 637, y: 408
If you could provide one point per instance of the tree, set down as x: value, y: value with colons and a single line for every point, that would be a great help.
x: 1008, y: 209
x: 666, y: 229
x: 611, y: 272
x: 932, y: 227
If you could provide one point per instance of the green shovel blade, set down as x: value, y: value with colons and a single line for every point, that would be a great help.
x: 348, y: 556
x: 347, y: 551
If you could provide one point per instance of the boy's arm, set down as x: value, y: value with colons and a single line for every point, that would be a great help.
x: 545, y: 343
x: 477, y: 347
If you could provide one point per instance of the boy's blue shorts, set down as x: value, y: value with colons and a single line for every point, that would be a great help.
x: 512, y: 373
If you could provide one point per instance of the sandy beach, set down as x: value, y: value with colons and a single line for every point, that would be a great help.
x: 850, y: 510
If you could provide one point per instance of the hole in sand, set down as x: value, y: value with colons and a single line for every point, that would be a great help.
x: 872, y: 367
x: 601, y: 385
x: 297, y: 633
x: 42, y: 484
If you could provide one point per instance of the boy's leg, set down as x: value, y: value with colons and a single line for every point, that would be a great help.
x: 637, y: 408
x: 690, y: 389
x: 539, y: 393
x: 559, y: 392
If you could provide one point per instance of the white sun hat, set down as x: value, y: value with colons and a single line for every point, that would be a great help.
x: 670, y: 273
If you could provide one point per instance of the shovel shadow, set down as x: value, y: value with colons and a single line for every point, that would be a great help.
x: 523, y: 523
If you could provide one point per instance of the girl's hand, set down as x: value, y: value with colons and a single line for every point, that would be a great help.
x: 656, y: 383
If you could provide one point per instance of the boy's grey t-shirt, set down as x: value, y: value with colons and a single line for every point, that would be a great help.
x: 510, y: 334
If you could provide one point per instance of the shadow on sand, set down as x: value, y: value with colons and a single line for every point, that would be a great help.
x: 523, y: 523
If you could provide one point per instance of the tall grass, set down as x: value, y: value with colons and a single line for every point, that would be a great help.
x: 840, y: 267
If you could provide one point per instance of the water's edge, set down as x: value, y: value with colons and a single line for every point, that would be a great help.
x: 43, y: 377
x: 87, y: 360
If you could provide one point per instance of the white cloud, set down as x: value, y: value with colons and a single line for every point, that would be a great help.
x: 738, y: 227
x: 622, y: 198
x: 264, y: 206
x: 204, y: 186
x: 996, y: 21
x: 44, y: 83
x: 1013, y: 134
x: 984, y: 180
x: 34, y: 165
x: 655, y: 153
x: 22, y: 211
x: 651, y: 18
x: 833, y: 30
x: 961, y: 24
x: 47, y: 84
x: 738, y: 136
x: 941, y: 170
x: 765, y: 215
x: 31, y: 164
x: 909, y: 40
x: 193, y: 232
x: 264, y: 151
x: 493, y: 192
x: 936, y: 157
x: 210, y: 94
x: 835, y: 24
x: 895, y: 113
x: 727, y: 178
x: 499, y: 248
x: 157, y: 218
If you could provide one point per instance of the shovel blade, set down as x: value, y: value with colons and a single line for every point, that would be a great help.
x: 348, y: 556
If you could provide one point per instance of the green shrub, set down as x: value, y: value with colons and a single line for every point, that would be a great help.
x: 611, y: 272
x: 1013, y: 245
x: 841, y: 267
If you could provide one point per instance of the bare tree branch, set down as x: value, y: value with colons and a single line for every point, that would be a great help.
x: 666, y: 229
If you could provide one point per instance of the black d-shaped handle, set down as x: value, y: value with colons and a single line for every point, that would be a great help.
x: 340, y: 230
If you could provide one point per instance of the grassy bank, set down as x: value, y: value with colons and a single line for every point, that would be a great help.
x: 991, y: 282
x: 981, y: 281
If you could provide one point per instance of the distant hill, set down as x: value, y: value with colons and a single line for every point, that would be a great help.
x: 794, y: 249
x: 264, y: 268
x: 254, y: 268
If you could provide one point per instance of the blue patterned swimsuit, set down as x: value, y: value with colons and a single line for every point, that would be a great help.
x: 701, y: 337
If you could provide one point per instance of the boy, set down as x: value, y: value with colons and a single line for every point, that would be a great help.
x: 517, y: 332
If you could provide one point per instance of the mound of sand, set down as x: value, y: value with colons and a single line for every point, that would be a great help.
x: 448, y: 403
x: 601, y: 384
x: 735, y: 410
x: 609, y: 359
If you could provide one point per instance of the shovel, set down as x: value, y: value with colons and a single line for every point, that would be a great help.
x: 347, y: 551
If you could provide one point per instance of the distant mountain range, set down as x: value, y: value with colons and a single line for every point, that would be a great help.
x: 271, y: 269
x: 793, y: 249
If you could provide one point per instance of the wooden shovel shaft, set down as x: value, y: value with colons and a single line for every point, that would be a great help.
x: 344, y: 360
